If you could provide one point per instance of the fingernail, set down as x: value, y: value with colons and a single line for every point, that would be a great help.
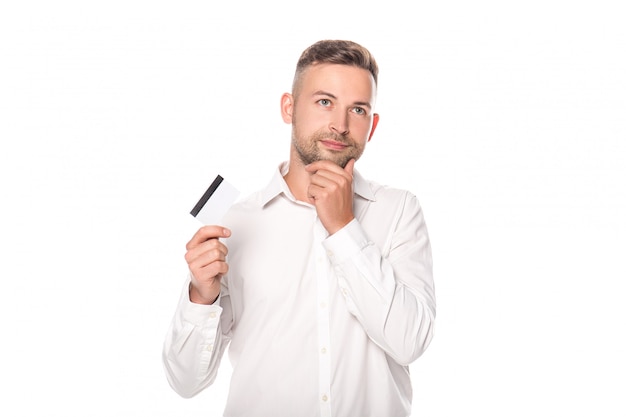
x: 226, y: 232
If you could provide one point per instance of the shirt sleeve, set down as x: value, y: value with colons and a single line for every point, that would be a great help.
x: 195, y: 343
x: 391, y: 294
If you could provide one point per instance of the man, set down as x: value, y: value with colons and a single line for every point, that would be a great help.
x: 321, y: 283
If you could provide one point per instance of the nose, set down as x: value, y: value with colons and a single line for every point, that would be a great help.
x: 339, y: 123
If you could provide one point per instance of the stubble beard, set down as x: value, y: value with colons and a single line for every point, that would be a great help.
x: 309, y: 148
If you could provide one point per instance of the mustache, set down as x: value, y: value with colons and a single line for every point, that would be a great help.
x: 345, y: 139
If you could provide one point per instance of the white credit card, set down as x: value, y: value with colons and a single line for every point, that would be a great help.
x: 215, y: 202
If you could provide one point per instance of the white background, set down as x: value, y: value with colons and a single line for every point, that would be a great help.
x: 506, y: 119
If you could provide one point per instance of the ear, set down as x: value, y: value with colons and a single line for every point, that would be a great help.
x: 374, y: 124
x: 286, y: 107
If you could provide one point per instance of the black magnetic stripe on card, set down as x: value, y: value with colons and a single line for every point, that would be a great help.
x: 209, y: 192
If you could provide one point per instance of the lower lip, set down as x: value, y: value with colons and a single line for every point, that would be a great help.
x: 334, y: 145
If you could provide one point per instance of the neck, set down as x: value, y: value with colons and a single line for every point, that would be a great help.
x: 297, y: 178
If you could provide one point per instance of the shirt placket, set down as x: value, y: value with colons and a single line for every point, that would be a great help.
x: 322, y: 272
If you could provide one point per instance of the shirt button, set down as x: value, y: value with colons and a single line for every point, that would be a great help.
x: 324, y: 398
x: 210, y: 347
x: 322, y: 305
x: 330, y: 254
x: 323, y: 350
x: 212, y: 315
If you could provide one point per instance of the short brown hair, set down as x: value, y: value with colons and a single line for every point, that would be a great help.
x: 336, y: 52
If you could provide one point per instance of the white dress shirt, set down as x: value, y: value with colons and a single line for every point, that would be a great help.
x: 316, y: 325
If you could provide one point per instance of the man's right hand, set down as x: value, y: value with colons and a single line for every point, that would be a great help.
x: 206, y: 257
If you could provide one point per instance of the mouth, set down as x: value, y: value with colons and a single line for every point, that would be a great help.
x: 334, y: 145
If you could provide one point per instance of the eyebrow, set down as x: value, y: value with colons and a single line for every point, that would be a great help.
x: 356, y: 103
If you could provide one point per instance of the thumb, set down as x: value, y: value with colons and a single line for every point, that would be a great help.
x: 350, y: 166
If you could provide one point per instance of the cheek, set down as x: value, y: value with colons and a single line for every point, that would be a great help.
x: 308, y: 121
x: 361, y: 129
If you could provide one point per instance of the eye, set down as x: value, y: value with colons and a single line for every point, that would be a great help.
x: 359, y: 110
x: 324, y: 102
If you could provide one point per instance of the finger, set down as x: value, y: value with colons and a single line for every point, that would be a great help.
x: 207, y: 232
x: 330, y: 169
x: 328, y: 179
x: 324, y: 179
x: 208, y: 264
x: 210, y: 248
x: 323, y: 164
x: 209, y: 271
x: 314, y: 192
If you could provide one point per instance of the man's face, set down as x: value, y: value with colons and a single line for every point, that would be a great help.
x: 332, y: 113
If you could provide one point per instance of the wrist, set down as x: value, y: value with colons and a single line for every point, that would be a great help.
x: 197, y: 298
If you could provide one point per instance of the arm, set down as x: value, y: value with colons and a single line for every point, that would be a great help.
x: 198, y: 334
x: 195, y: 343
x: 390, y: 293
x: 389, y: 290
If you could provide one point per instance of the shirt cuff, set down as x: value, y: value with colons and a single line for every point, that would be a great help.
x: 198, y: 314
x: 345, y: 243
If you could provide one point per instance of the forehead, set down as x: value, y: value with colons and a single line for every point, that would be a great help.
x: 337, y: 79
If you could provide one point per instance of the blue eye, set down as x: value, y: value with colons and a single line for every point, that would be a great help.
x: 325, y: 102
x: 359, y: 110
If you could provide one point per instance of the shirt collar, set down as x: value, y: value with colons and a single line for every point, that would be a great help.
x: 278, y: 186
